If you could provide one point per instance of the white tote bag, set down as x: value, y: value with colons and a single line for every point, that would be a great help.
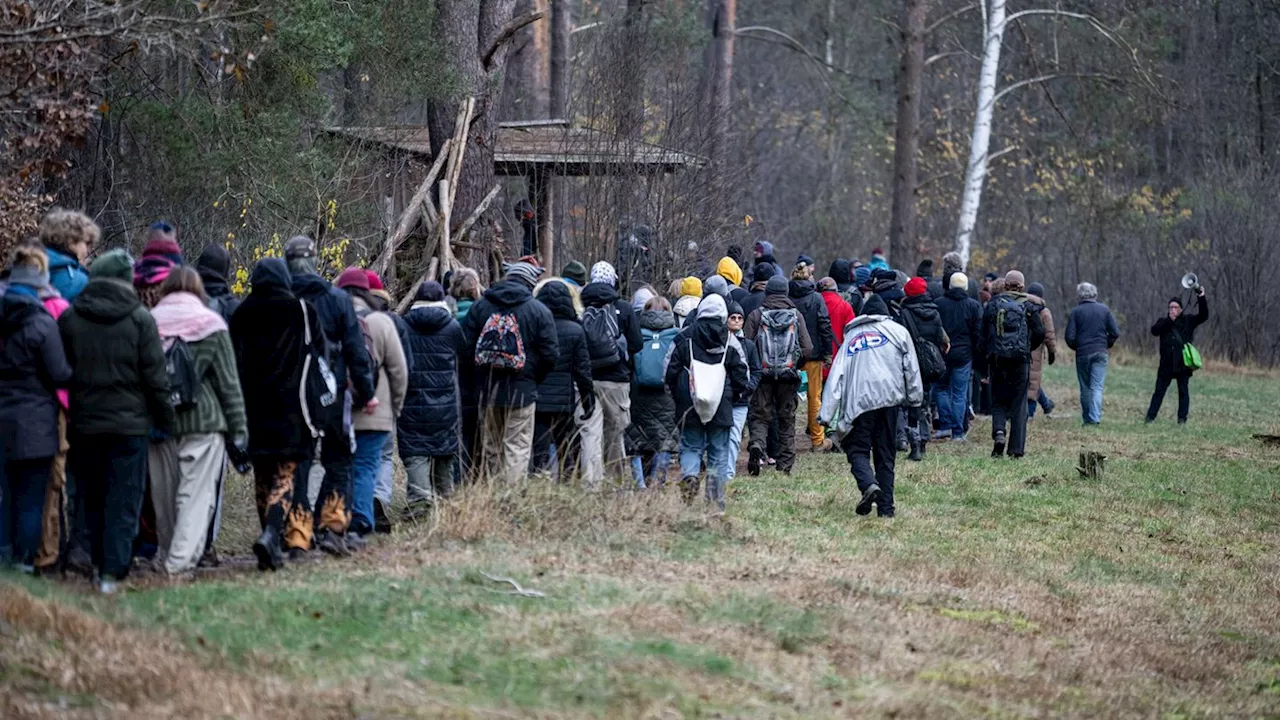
x: 706, y: 385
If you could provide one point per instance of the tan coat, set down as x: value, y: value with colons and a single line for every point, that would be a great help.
x: 1048, y: 349
x: 393, y: 374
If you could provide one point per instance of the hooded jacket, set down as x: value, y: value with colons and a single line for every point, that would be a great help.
x: 119, y: 385
x: 1048, y: 350
x: 213, y: 265
x: 1173, y: 333
x: 927, y: 321
x: 66, y: 274
x: 507, y: 389
x: 766, y: 256
x: 268, y: 332
x: 387, y: 355
x: 653, y: 410
x: 754, y: 298
x: 342, y: 331
x: 601, y: 295
x: 33, y: 367
x: 814, y: 311
x: 684, y: 307
x: 573, y: 362
x: 962, y: 320
x: 430, y: 421
x: 708, y: 342
x: 841, y: 314
x: 875, y: 368
x: 841, y: 271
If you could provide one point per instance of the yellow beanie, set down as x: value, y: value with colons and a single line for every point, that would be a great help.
x: 691, y: 286
x: 729, y: 270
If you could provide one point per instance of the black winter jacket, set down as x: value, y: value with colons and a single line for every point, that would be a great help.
x: 816, y: 318
x: 499, y: 388
x: 653, y: 410
x: 754, y: 299
x: 710, y: 340
x: 341, y: 327
x: 430, y: 421
x: 962, y: 319
x: 753, y: 371
x: 599, y: 295
x: 573, y: 364
x: 33, y: 366
x: 268, y: 332
x: 1171, y: 364
x: 119, y: 385
x: 925, y: 318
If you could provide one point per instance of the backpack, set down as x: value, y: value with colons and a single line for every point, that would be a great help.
x: 362, y: 316
x: 1012, y: 339
x: 500, y: 346
x: 706, y: 385
x: 318, y: 390
x: 184, y: 381
x: 933, y: 366
x: 604, y: 338
x: 651, y: 361
x: 779, y: 343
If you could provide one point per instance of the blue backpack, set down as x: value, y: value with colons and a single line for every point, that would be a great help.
x: 651, y: 361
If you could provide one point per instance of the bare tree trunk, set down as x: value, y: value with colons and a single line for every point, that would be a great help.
x: 902, y: 226
x: 723, y: 17
x: 560, y: 25
x: 976, y: 174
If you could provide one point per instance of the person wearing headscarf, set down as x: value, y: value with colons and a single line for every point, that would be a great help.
x: 705, y: 435
x: 610, y: 361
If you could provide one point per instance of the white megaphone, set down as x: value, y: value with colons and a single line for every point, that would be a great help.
x: 1190, y: 282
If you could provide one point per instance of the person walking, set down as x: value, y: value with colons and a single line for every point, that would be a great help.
x: 160, y: 256
x: 567, y: 392
x: 68, y: 236
x: 813, y: 310
x: 391, y: 378
x: 33, y: 369
x: 874, y: 374
x: 686, y: 302
x: 839, y: 310
x: 1048, y: 352
x: 509, y: 340
x: 653, y: 432
x: 350, y: 364
x: 214, y: 265
x: 463, y: 291
x: 1011, y: 332
x: 782, y: 341
x: 706, y: 413
x: 1091, y: 332
x: 962, y: 320
x: 1176, y: 330
x: 119, y: 397
x: 923, y: 322
x: 275, y: 335
x: 428, y: 429
x: 188, y: 465
x: 741, y: 400
x: 613, y: 338
x: 728, y: 269
x: 382, y: 488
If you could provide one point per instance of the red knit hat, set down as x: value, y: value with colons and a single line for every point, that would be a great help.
x: 375, y: 282
x: 916, y: 286
x: 353, y: 277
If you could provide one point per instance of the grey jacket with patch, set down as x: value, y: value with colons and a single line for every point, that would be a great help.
x: 875, y: 368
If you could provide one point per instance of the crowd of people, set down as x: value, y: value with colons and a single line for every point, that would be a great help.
x: 127, y: 388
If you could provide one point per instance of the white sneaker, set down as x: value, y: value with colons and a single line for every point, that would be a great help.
x: 108, y: 587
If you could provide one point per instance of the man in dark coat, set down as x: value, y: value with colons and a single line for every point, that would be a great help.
x: 508, y: 391
x: 1009, y: 374
x: 920, y: 317
x: 350, y: 358
x: 269, y: 332
x: 119, y: 395
x: 775, y: 396
x: 427, y: 431
x: 213, y: 265
x: 710, y: 438
x: 1091, y: 331
x: 1175, y: 330
x: 841, y: 271
x: 612, y: 380
x: 554, y: 422
x: 817, y: 321
x: 962, y: 320
x: 760, y: 274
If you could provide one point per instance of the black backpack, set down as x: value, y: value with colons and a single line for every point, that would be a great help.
x: 184, y: 381
x: 933, y: 366
x: 1011, y: 338
x: 604, y: 337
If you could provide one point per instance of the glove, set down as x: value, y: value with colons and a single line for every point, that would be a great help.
x: 1052, y: 356
x: 588, y: 407
x: 238, y: 452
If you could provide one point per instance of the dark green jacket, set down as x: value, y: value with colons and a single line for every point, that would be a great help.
x: 118, y: 384
x: 219, y: 407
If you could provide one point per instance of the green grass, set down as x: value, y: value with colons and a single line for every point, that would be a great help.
x: 1003, y: 588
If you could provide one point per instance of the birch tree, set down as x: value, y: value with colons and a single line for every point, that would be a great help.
x: 976, y: 172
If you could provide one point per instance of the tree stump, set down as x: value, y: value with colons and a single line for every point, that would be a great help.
x: 1092, y: 465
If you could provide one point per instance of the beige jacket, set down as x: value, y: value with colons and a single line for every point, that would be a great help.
x: 393, y: 374
x: 1049, y: 348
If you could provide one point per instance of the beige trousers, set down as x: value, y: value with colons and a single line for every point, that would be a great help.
x: 591, y: 450
x: 185, y: 472
x: 614, y: 399
x: 507, y: 443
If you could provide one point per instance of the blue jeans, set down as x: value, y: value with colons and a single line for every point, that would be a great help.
x: 735, y: 442
x: 365, y: 465
x: 650, y: 469
x: 1042, y: 400
x: 953, y: 398
x: 22, y: 509
x: 714, y: 442
x: 1091, y: 372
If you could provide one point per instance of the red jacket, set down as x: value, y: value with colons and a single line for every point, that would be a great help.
x: 841, y: 314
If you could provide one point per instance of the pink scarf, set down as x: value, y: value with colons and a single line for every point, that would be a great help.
x: 182, y: 315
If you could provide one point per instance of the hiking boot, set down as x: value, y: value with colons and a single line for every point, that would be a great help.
x: 356, y: 541
x: 903, y: 446
x: 869, y: 497
x: 916, y: 453
x: 924, y: 448
x: 267, y: 548
x: 998, y: 449
x: 296, y: 554
x: 79, y: 562
x: 332, y: 543
x: 209, y: 559
x: 381, y: 520
x: 753, y: 462
x: 689, y: 489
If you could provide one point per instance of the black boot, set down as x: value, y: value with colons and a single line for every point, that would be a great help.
x: 753, y: 461
x: 917, y: 454
x: 381, y: 520
x: 267, y: 548
x: 998, y: 449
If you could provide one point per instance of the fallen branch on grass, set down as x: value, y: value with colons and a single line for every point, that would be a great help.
x: 517, y: 591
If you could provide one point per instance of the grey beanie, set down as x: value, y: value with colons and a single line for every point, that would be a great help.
x: 717, y: 285
x: 777, y: 285
x: 30, y: 275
